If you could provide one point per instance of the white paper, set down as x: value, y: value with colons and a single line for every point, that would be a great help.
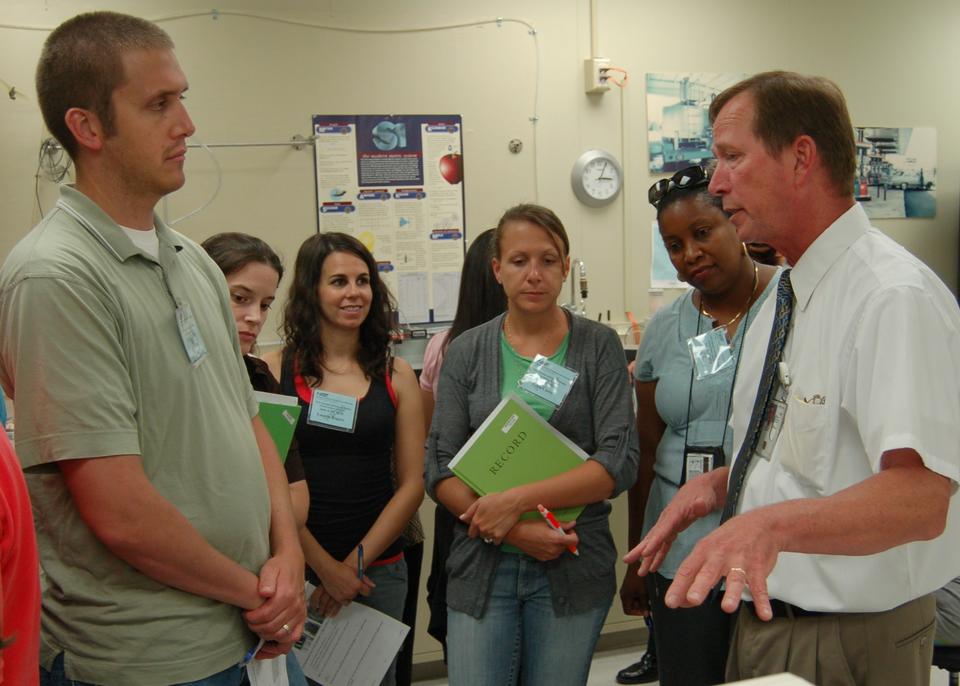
x: 355, y: 648
x: 272, y: 672
x: 412, y: 297
x: 446, y: 289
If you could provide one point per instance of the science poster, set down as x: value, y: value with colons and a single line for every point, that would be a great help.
x: 396, y: 183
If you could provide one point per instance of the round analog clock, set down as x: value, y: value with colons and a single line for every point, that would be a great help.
x: 596, y: 178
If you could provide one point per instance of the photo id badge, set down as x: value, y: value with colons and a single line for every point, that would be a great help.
x: 190, y: 335
x: 700, y: 459
x: 333, y: 411
x: 711, y: 352
x: 772, y: 423
x: 548, y: 380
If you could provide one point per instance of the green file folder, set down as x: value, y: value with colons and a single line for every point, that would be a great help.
x: 516, y: 446
x: 279, y: 413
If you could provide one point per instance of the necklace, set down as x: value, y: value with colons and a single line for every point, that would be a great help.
x: 746, y: 306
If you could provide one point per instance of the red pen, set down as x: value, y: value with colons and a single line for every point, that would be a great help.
x: 555, y: 525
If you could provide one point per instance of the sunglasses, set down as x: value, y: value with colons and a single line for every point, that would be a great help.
x: 690, y: 177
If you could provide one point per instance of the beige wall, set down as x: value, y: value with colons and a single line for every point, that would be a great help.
x: 258, y: 81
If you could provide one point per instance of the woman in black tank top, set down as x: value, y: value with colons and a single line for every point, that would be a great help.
x: 361, y: 411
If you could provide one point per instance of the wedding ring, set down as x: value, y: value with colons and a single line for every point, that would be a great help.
x: 737, y: 569
x: 286, y: 628
x: 487, y: 540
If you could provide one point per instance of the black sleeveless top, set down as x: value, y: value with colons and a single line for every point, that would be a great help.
x: 348, y: 474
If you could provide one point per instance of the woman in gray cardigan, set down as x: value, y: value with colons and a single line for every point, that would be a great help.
x: 518, y: 601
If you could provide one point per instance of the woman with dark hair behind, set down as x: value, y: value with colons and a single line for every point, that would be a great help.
x: 480, y: 299
x: 253, y: 272
x: 361, y: 412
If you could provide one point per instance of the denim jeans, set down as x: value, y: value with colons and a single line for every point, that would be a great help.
x: 518, y: 628
x: 231, y: 676
x: 389, y: 598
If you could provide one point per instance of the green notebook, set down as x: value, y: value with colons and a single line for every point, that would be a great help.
x: 279, y: 413
x: 516, y: 446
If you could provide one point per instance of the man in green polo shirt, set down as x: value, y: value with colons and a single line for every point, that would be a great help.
x: 163, y: 514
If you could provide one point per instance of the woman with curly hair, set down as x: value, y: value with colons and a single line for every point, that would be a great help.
x: 361, y: 410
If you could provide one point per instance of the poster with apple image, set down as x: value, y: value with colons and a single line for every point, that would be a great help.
x: 397, y: 182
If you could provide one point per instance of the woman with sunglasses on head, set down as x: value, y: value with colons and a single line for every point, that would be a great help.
x: 685, y: 370
x: 361, y: 410
x: 519, y: 603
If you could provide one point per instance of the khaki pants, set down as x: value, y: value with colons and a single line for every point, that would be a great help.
x: 892, y: 648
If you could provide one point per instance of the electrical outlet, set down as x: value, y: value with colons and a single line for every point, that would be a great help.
x: 594, y: 72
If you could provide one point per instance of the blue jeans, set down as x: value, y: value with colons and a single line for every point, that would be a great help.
x: 518, y: 628
x: 389, y: 597
x: 231, y: 676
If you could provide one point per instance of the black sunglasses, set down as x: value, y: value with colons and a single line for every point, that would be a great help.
x: 689, y: 177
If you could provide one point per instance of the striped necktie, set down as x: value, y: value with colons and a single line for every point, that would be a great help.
x: 765, y: 393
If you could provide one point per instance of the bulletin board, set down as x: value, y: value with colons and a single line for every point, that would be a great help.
x: 396, y: 183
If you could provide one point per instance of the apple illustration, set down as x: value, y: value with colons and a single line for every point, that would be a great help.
x: 451, y: 167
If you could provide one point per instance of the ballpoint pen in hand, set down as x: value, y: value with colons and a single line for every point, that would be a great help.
x: 555, y: 525
x: 360, y: 561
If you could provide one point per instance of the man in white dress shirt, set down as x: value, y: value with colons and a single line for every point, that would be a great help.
x: 843, y: 527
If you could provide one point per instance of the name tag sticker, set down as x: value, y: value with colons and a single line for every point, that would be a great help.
x: 190, y: 335
x: 333, y: 411
x: 548, y: 380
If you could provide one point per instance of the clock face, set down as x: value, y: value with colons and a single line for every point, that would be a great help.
x: 596, y: 178
x: 601, y: 179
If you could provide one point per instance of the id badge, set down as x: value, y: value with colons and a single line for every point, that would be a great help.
x: 333, y: 411
x: 711, y: 352
x: 700, y: 459
x: 548, y: 380
x: 190, y: 335
x: 772, y: 424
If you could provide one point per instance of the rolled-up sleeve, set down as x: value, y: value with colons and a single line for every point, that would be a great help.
x: 615, y: 429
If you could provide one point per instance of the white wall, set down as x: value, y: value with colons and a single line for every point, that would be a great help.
x: 257, y: 81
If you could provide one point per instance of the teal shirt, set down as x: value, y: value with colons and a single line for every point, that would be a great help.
x: 664, y: 357
x: 516, y: 365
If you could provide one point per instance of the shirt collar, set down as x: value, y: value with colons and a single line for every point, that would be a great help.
x: 106, y: 231
x: 817, y: 259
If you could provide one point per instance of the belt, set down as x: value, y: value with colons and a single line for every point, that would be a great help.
x: 387, y: 560
x: 784, y: 610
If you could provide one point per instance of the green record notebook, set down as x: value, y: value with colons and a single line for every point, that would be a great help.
x: 516, y: 446
x: 279, y: 413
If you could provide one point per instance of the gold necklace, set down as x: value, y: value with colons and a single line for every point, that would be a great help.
x: 746, y: 306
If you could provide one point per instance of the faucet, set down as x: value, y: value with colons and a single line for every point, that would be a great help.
x: 578, y: 276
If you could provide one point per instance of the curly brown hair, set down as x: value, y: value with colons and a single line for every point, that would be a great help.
x: 302, y: 322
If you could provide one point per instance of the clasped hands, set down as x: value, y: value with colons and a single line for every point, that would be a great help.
x: 339, y: 585
x: 743, y: 550
x: 280, y: 617
x: 496, y: 519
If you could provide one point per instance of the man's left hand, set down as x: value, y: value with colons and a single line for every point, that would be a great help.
x: 743, y: 550
x: 284, y: 610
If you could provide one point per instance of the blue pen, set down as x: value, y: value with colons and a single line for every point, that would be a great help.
x: 250, y: 653
x: 360, y: 562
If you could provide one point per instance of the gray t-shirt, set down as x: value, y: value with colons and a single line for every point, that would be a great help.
x: 92, y: 355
